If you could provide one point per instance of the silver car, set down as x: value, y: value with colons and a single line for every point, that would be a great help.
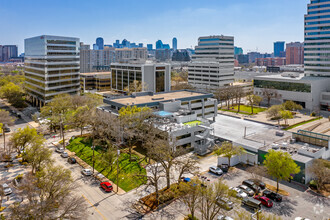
x: 216, y: 170
x: 6, y: 189
x: 239, y: 193
x: 246, y: 189
x: 86, y: 172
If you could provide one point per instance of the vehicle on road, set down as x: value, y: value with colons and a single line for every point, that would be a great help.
x: 251, y: 202
x: 86, y: 172
x: 64, y: 155
x: 246, y: 189
x: 72, y: 160
x: 251, y: 185
x: 223, y: 217
x: 59, y: 150
x: 264, y: 200
x: 259, y: 183
x: 238, y: 192
x: 106, y: 186
x: 6, y: 189
x: 301, y: 218
x: 216, y: 170
x: 225, y: 203
x: 272, y: 195
x: 6, y: 128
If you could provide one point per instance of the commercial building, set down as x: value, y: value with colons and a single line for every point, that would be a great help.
x: 243, y: 58
x: 7, y: 52
x: 174, y: 43
x: 163, y: 54
x: 276, y: 61
x: 127, y: 54
x: 294, y: 53
x: 159, y: 44
x: 279, y: 49
x: 100, y: 43
x: 153, y: 77
x: 98, y: 81
x: 183, y: 114
x: 180, y: 55
x: 212, y: 64
x: 149, y: 47
x: 51, y: 67
x: 238, y: 50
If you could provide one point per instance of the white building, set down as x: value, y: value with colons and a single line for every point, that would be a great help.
x: 155, y: 77
x: 212, y: 64
x: 51, y: 67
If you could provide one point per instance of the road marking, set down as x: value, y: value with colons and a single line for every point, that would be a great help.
x: 94, y: 207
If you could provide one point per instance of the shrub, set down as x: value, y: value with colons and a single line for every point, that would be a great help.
x: 18, y: 156
x: 313, y: 184
x: 24, y: 163
x: 313, y: 114
x: 19, y: 177
x: 189, y: 217
x: 2, y: 208
x: 9, y: 165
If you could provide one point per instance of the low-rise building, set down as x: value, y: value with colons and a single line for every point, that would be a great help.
x: 98, y: 81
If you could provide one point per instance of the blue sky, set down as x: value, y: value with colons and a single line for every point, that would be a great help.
x: 255, y: 24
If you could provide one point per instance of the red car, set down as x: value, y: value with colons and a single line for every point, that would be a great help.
x: 264, y: 200
x: 106, y: 186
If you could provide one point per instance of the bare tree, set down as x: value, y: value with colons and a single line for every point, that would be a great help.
x: 5, y: 120
x: 191, y: 195
x: 239, y: 93
x: 269, y: 93
x: 320, y: 170
x: 186, y: 164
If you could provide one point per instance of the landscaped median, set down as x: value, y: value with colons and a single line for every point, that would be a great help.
x: 127, y: 169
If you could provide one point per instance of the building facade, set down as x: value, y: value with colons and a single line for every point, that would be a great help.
x: 100, y: 43
x: 279, y: 49
x: 294, y: 53
x: 238, y: 50
x: 96, y: 60
x: 212, y: 64
x: 153, y: 77
x: 7, y: 52
x: 180, y: 55
x: 51, y: 67
x: 163, y: 54
x: 276, y: 61
x: 99, y: 81
x: 174, y: 43
x: 127, y: 54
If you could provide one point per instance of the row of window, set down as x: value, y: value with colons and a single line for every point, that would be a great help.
x: 317, y: 33
x: 214, y: 39
x: 215, y: 44
x: 60, y: 48
x: 317, y: 38
x: 126, y: 67
x: 317, y: 22
x: 215, y: 48
x: 312, y: 49
x: 317, y: 17
x: 62, y: 53
x: 61, y: 42
x: 286, y: 86
x: 318, y: 12
x: 318, y: 1
x: 317, y: 54
x: 319, y: 6
x: 318, y: 28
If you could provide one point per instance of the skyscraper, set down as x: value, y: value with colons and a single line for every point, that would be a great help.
x: 51, y: 67
x: 159, y: 44
x: 238, y: 50
x: 149, y: 46
x: 294, y: 53
x: 7, y: 52
x: 279, y: 48
x: 174, y: 43
x: 100, y: 43
x: 317, y: 39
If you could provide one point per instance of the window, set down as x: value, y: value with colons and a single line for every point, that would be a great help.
x: 286, y: 86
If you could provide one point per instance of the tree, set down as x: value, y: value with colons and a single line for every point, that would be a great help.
x: 5, y: 120
x: 23, y: 137
x: 13, y: 93
x: 136, y: 86
x: 80, y: 118
x: 244, y: 215
x: 274, y: 113
x: 291, y: 106
x: 320, y: 169
x: 285, y: 114
x: 280, y: 165
x: 269, y: 93
x: 37, y: 155
x: 186, y: 164
x: 253, y: 100
x: 257, y: 171
x: 228, y: 150
x: 239, y: 93
x: 190, y: 196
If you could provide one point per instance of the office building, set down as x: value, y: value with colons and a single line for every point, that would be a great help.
x: 238, y: 50
x: 99, y: 43
x: 96, y: 60
x: 253, y: 56
x: 279, y: 49
x: 51, y: 67
x: 159, y: 44
x: 149, y: 47
x: 98, y: 81
x: 243, y: 58
x: 153, y: 77
x: 180, y: 55
x: 7, y: 52
x: 212, y: 64
x: 271, y: 61
x: 127, y: 54
x: 174, y: 43
x: 163, y: 54
x: 295, y: 53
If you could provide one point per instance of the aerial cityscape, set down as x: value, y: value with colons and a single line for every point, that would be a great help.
x: 188, y: 110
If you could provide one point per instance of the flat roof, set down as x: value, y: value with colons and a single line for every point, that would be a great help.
x: 95, y: 73
x: 302, y: 78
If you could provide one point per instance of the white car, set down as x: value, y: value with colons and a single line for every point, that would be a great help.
x: 59, y: 149
x: 301, y: 218
x: 246, y: 189
x: 6, y: 189
x: 87, y: 172
x: 239, y: 193
x: 216, y: 170
x: 223, y: 217
x: 64, y: 155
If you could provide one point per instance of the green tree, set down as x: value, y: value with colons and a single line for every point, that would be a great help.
x: 24, y: 137
x: 291, y: 106
x: 13, y: 93
x: 280, y: 165
x: 228, y: 150
x: 274, y: 113
x: 286, y: 115
x: 190, y: 196
x: 253, y: 100
x: 5, y: 120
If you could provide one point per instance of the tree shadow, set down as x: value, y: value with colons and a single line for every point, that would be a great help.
x: 284, y: 208
x: 315, y: 199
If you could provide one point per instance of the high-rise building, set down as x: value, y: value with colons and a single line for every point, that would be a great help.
x: 100, y: 43
x: 163, y: 54
x: 180, y: 55
x: 7, y: 52
x: 129, y: 54
x: 295, y: 53
x: 149, y: 46
x: 213, y: 62
x: 140, y: 44
x: 51, y: 67
x: 159, y: 44
x: 238, y: 50
x: 279, y: 49
x: 174, y: 43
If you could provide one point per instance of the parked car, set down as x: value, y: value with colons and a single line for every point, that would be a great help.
x: 86, y: 172
x: 186, y: 179
x: 216, y: 170
x: 259, y: 183
x: 59, y: 149
x: 264, y: 200
x: 6, y: 189
x: 225, y: 203
x: 106, y: 186
x: 64, y: 155
x: 223, y: 217
x: 72, y: 160
x: 239, y: 193
x: 246, y: 189
x: 251, y: 202
x: 224, y: 167
x: 301, y: 218
x: 6, y: 128
x: 252, y: 185
x: 272, y: 195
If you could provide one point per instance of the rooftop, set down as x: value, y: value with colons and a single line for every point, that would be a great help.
x: 291, y: 76
x: 96, y: 74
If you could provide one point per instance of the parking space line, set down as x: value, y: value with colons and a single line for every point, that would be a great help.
x: 94, y: 207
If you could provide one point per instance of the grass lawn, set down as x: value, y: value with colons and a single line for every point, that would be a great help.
x: 301, y: 123
x: 193, y: 123
x: 127, y: 169
x: 244, y: 109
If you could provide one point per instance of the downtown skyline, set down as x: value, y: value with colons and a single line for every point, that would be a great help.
x: 249, y: 22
